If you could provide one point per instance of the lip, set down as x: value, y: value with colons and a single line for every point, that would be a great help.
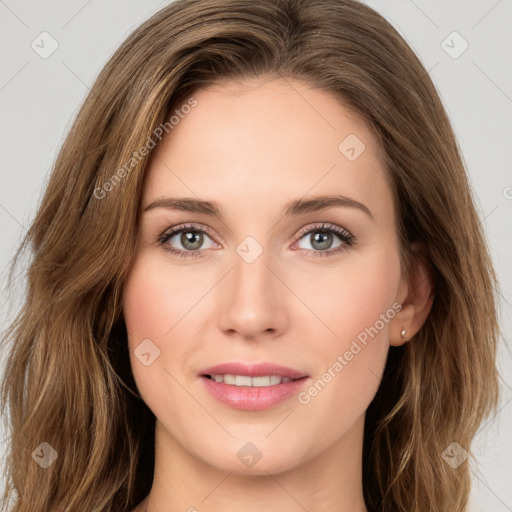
x: 253, y: 398
x: 253, y: 370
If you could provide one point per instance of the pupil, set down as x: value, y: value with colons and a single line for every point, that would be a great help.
x: 191, y: 237
x: 323, y: 238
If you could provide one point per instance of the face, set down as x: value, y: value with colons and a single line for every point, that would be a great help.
x: 264, y: 272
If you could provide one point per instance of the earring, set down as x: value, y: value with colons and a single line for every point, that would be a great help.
x: 403, y: 333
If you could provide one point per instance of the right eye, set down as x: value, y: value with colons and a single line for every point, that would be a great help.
x: 190, y: 238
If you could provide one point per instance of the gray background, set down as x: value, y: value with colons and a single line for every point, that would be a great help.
x: 40, y: 97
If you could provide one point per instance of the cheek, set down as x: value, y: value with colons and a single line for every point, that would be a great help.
x: 154, y: 301
x: 346, y: 300
x: 142, y: 305
x: 355, y: 306
x: 150, y: 311
x: 167, y: 308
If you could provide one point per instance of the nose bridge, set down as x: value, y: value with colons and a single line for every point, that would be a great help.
x: 251, y: 275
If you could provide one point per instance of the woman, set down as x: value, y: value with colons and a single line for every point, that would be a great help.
x: 258, y: 280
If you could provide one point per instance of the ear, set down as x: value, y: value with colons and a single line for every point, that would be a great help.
x: 416, y: 294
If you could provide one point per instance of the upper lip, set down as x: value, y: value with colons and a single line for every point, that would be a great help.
x: 253, y: 370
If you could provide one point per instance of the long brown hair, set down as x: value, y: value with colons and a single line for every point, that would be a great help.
x: 68, y: 381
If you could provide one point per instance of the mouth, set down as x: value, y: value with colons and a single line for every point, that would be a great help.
x: 252, y: 387
x: 238, y: 371
x: 262, y: 381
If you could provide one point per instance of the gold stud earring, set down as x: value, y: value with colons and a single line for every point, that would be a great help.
x: 403, y: 333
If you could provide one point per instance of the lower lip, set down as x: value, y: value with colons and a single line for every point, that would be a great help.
x: 253, y: 398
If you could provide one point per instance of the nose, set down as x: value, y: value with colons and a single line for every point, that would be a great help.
x: 254, y: 301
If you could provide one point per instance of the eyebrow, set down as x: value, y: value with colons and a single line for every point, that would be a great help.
x: 296, y: 207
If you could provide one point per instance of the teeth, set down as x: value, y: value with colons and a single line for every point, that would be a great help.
x: 257, y: 382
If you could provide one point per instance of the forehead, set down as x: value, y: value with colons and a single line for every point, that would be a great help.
x: 265, y: 143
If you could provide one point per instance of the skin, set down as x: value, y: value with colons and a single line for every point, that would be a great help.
x: 252, y: 147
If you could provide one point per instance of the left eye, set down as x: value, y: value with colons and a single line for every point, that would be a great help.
x: 322, y: 240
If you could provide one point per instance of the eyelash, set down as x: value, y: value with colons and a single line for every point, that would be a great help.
x: 346, y: 238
